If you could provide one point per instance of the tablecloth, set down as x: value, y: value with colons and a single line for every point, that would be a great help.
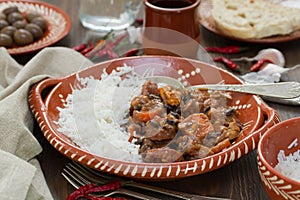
x: 20, y: 174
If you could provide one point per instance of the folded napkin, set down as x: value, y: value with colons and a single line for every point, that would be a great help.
x: 20, y: 174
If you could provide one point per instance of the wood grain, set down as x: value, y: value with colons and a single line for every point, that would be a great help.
x: 238, y: 180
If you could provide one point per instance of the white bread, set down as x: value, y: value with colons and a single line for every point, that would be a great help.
x: 254, y: 18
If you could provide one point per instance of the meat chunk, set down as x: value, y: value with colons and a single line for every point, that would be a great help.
x: 203, y: 99
x: 171, y: 125
x: 144, y: 109
x: 197, y: 125
x: 160, y: 128
x: 189, y: 106
x: 170, y: 95
x: 150, y: 88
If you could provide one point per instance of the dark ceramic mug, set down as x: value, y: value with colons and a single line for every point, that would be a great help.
x: 171, y: 27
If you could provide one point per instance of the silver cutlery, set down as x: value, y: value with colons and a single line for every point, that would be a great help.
x: 79, y: 175
x: 279, y: 90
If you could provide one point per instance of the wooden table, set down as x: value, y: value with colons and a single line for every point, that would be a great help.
x: 238, y: 180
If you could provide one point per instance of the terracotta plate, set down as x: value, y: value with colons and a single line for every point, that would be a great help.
x: 256, y: 115
x: 207, y: 22
x: 59, y: 23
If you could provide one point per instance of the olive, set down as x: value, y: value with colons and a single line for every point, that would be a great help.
x: 19, y: 24
x: 10, y: 9
x: 41, y: 22
x: 21, y: 29
x: 9, y: 30
x: 2, y: 16
x: 35, y: 30
x: 3, y: 23
x: 5, y: 40
x: 13, y: 17
x: 31, y: 15
x: 23, y: 37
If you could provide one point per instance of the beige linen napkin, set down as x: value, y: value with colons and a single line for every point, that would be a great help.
x: 20, y: 173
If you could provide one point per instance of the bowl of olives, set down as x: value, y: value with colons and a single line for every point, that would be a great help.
x: 29, y: 26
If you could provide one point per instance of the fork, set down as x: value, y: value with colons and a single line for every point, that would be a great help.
x: 279, y: 90
x: 78, y: 178
x: 79, y: 175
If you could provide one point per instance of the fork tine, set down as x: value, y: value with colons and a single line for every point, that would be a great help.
x: 71, y: 180
x: 77, y: 180
x: 85, y: 176
x: 148, y: 72
x: 73, y: 174
x: 92, y: 174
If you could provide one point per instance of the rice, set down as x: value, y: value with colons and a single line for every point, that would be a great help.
x: 92, y: 115
x: 289, y: 165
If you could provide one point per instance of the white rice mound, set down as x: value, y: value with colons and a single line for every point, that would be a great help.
x: 92, y: 114
x: 289, y: 165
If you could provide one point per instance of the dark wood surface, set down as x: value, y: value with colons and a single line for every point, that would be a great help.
x: 238, y: 180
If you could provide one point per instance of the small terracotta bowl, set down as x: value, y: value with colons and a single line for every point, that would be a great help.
x: 283, y: 136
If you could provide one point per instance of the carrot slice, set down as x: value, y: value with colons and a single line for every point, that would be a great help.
x: 221, y: 145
